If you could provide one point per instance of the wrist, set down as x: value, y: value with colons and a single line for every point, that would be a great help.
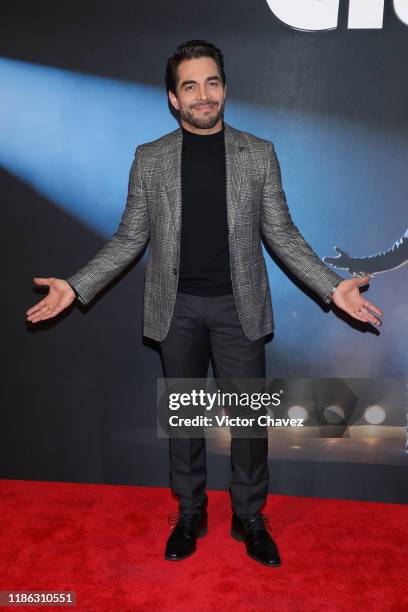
x: 73, y: 289
x: 333, y: 290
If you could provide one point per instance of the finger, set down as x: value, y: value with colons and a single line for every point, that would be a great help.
x: 363, y: 280
x: 40, y: 316
x: 36, y: 307
x: 374, y: 320
x: 371, y: 315
x: 40, y: 310
x: 41, y: 281
x: 36, y: 318
x: 373, y: 308
x: 365, y: 319
x: 364, y: 315
x: 49, y: 316
x: 52, y: 312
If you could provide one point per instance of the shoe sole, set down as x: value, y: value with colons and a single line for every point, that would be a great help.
x: 201, y: 533
x: 240, y: 538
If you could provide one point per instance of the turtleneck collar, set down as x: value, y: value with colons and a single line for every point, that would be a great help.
x: 192, y: 136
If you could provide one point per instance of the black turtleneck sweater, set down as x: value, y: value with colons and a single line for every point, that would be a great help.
x: 204, y: 251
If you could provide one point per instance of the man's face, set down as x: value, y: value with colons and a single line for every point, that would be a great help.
x: 200, y: 95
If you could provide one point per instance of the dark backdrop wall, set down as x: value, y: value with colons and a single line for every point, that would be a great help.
x: 82, y: 84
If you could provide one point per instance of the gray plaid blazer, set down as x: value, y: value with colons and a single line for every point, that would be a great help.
x: 256, y: 204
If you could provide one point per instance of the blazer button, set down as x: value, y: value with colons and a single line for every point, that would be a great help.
x: 175, y: 271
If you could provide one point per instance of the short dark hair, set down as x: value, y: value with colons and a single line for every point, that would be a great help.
x: 189, y: 50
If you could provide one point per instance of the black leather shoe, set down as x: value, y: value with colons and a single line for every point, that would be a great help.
x: 188, y: 526
x: 259, y: 544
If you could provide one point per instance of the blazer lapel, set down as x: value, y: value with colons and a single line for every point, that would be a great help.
x: 235, y: 166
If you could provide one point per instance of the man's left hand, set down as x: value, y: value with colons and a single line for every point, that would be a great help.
x: 348, y: 297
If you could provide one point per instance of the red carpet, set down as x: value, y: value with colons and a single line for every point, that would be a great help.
x: 106, y: 543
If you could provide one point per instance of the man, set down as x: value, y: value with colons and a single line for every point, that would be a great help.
x: 203, y: 194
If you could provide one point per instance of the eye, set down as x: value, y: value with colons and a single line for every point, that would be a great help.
x: 215, y: 83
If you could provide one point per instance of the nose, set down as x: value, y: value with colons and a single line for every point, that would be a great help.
x: 204, y: 93
x: 201, y: 94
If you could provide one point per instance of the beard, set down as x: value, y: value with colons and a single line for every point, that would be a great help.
x: 202, y: 122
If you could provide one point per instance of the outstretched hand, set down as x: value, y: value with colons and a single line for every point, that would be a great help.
x: 59, y: 297
x: 348, y: 297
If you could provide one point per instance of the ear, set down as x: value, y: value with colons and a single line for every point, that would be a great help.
x: 173, y: 100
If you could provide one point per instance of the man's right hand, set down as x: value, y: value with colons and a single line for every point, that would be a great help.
x: 59, y: 297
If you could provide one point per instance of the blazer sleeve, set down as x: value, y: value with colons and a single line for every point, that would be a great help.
x: 126, y: 243
x: 285, y: 239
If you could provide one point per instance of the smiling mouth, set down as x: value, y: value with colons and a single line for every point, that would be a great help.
x: 205, y: 107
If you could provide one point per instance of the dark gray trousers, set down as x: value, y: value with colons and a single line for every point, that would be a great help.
x: 203, y: 327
